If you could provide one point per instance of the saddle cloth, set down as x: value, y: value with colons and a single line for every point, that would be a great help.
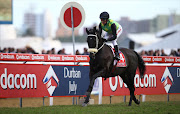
x: 122, y: 62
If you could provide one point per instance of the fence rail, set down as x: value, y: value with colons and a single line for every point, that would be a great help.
x: 161, y: 59
x: 43, y: 57
x: 75, y: 58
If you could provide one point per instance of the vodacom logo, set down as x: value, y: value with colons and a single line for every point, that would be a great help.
x: 149, y: 80
x: 18, y: 81
x: 114, y: 87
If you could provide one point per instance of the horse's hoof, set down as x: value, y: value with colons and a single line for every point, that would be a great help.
x: 84, y: 105
x: 129, y: 104
x: 137, y: 102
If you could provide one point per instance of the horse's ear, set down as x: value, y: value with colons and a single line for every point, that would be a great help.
x: 94, y: 28
x: 87, y: 31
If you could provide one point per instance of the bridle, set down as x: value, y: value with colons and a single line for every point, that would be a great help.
x: 95, y: 49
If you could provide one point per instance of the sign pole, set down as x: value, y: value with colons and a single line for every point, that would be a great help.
x: 72, y: 21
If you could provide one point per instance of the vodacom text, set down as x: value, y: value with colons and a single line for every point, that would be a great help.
x: 147, y: 81
x: 11, y: 81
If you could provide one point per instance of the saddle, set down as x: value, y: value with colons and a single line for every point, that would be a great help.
x: 122, y: 61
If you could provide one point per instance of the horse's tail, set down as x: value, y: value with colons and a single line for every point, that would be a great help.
x: 141, y: 65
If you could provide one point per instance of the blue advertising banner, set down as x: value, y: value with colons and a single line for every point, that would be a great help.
x: 72, y: 80
x: 174, y: 76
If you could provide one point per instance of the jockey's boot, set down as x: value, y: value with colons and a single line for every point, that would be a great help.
x: 117, y: 57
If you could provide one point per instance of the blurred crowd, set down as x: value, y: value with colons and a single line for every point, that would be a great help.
x: 160, y: 53
x: 30, y: 50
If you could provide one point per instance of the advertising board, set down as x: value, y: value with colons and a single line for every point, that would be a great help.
x: 157, y: 80
x: 28, y: 80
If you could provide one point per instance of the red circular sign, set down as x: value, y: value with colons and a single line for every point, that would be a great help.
x: 77, y: 17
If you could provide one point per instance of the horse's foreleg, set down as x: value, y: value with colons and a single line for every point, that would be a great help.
x: 88, y: 92
x: 92, y: 80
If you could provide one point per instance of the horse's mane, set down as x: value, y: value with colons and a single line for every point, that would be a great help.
x: 94, y: 30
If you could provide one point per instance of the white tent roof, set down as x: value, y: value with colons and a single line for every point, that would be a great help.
x: 171, y: 41
x: 144, y: 38
x: 169, y: 30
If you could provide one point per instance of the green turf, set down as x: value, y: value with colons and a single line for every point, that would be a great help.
x: 172, y: 107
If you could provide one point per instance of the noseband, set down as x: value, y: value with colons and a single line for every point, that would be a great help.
x: 95, y: 49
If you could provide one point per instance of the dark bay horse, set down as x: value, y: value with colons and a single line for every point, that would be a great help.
x: 101, y: 64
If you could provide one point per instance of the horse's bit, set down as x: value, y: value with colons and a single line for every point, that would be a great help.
x: 95, y: 49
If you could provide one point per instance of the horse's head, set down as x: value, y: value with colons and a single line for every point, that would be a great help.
x: 94, y: 40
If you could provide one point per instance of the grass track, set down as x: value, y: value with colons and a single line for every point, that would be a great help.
x: 172, y: 107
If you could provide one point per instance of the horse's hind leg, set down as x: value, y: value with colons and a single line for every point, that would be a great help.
x: 132, y: 88
x: 132, y: 96
x: 126, y: 80
x: 129, y: 80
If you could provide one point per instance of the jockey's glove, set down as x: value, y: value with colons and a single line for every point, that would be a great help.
x: 104, y: 40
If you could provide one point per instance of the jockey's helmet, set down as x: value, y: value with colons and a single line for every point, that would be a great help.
x: 104, y: 15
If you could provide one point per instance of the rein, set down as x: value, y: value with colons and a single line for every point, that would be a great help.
x: 96, y: 49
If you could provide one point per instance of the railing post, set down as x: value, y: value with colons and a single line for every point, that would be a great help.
x: 124, y: 98
x: 111, y: 97
x: 167, y: 97
x: 20, y: 102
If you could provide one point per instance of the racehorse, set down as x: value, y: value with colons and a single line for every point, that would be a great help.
x: 101, y: 64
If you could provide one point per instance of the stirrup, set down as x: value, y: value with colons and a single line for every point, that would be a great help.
x: 117, y: 57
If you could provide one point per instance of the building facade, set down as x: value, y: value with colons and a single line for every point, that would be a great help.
x: 39, y: 24
x: 164, y: 21
x: 149, y: 25
x: 62, y: 32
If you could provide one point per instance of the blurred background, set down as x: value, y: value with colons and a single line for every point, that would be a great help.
x: 151, y: 27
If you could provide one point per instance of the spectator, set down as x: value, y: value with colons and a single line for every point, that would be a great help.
x: 49, y: 52
x: 11, y: 50
x: 24, y: 50
x: 5, y: 50
x: 59, y: 52
x: 163, y: 53
x: 85, y: 51
x: 53, y: 51
x: 143, y: 53
x: 77, y: 52
x: 30, y: 50
x: 178, y: 53
x: 63, y: 52
x: 43, y: 52
x: 150, y: 53
x: 18, y: 51
x: 173, y: 53
x: 157, y: 52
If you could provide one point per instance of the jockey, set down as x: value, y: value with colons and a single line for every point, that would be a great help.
x: 113, y: 31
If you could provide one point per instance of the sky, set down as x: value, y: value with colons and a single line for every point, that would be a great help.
x: 134, y: 9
